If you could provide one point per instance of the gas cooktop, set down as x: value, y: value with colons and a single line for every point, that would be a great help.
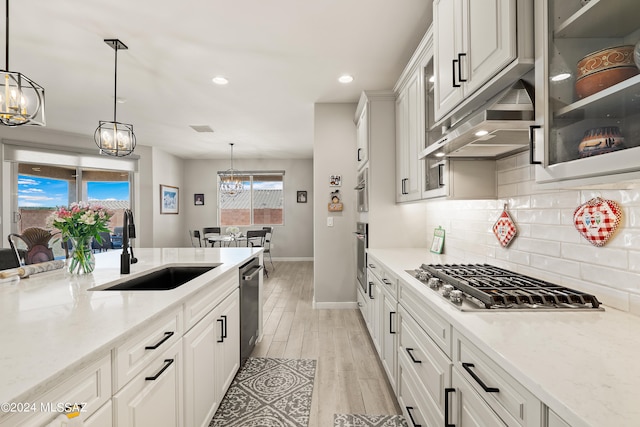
x: 478, y: 287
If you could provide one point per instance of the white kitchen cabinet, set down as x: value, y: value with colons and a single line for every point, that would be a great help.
x: 103, y: 417
x: 375, y: 311
x: 90, y: 386
x: 553, y: 420
x: 409, y: 398
x: 566, y: 32
x: 479, y: 46
x: 363, y: 305
x: 469, y: 409
x: 409, y: 137
x: 362, y: 137
x: 154, y: 396
x: 211, y: 360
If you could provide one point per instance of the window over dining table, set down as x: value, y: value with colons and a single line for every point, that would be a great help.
x: 260, y: 203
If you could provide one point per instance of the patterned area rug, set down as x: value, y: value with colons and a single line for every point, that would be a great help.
x: 361, y: 420
x: 268, y: 392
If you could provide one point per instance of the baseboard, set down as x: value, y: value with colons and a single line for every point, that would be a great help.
x: 335, y: 305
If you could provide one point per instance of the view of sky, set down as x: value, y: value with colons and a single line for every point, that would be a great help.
x: 46, y: 192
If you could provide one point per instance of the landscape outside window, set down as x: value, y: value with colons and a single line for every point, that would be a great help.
x: 41, y: 189
x: 262, y: 202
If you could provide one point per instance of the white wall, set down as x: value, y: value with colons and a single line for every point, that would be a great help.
x: 167, y: 228
x: 547, y: 245
x: 291, y: 241
x: 334, y: 247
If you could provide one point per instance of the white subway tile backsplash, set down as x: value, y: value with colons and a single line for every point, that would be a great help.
x: 547, y: 245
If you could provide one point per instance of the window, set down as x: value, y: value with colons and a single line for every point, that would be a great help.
x: 261, y: 202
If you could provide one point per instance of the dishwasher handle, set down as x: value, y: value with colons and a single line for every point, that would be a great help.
x: 255, y: 269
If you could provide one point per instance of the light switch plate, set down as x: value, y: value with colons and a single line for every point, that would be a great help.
x: 329, y: 221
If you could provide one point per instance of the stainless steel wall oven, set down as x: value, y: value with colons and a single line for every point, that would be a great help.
x: 362, y: 242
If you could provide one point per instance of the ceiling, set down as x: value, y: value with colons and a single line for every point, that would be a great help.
x: 280, y: 57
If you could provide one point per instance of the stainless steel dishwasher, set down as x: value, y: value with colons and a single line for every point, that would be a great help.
x: 249, y: 288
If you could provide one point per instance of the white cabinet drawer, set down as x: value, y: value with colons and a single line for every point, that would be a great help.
x: 91, y: 387
x: 132, y: 356
x: 432, y: 367
x: 154, y: 396
x: 205, y: 300
x: 411, y: 399
x: 508, y: 398
x: 553, y: 420
x: 389, y: 281
x: 438, y: 329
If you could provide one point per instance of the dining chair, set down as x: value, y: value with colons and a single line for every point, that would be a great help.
x: 194, y: 235
x: 255, y: 238
x: 36, y: 241
x: 267, y: 244
x: 207, y: 231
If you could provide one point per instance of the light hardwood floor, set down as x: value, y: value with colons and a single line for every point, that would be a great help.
x: 349, y: 376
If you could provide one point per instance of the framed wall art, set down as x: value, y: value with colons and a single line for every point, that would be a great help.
x: 302, y: 197
x: 169, y: 199
x: 198, y: 199
x: 335, y: 180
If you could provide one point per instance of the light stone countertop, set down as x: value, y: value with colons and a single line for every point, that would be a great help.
x: 584, y: 365
x: 51, y: 324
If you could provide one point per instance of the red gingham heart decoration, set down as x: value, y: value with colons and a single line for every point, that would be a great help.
x: 504, y: 228
x: 597, y: 220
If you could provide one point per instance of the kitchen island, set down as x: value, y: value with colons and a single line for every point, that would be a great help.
x: 580, y: 367
x: 54, y: 325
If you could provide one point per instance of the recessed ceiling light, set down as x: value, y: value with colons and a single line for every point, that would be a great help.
x: 219, y: 80
x: 346, y: 78
x: 481, y: 133
x: 560, y: 77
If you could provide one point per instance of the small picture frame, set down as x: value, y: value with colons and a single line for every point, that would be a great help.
x: 335, y: 180
x: 438, y: 240
x: 169, y: 199
x: 198, y: 199
x: 301, y: 197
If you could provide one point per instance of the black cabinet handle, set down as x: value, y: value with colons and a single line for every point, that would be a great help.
x: 223, y: 327
x: 440, y: 175
x: 359, y: 158
x: 446, y: 406
x: 391, y: 313
x: 532, y: 160
x: 460, y: 55
x: 167, y: 363
x: 413, y: 359
x: 167, y: 335
x: 409, y: 409
x: 387, y: 282
x: 370, y: 293
x: 372, y: 266
x: 467, y: 367
x: 453, y: 74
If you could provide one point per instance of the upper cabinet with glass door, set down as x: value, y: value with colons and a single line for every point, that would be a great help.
x: 587, y: 90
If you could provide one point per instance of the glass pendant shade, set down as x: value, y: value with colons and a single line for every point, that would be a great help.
x: 230, y: 181
x: 21, y: 99
x: 114, y: 138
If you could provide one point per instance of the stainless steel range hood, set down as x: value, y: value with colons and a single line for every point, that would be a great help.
x: 499, y: 129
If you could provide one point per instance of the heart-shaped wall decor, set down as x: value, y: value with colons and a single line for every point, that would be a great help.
x: 597, y: 220
x: 504, y: 228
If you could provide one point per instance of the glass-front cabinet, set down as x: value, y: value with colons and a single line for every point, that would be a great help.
x: 587, y: 89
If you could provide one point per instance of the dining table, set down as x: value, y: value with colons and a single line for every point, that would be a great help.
x: 227, y: 239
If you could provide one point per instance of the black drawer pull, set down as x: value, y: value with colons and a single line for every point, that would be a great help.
x: 391, y: 313
x: 460, y: 55
x: 387, y: 282
x: 446, y: 406
x: 370, y: 293
x: 453, y: 74
x: 223, y: 328
x: 532, y: 160
x: 167, y: 335
x: 409, y: 409
x: 413, y: 359
x: 167, y: 363
x: 467, y: 367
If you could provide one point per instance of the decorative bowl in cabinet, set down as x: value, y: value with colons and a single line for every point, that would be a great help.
x: 604, y: 68
x: 600, y: 140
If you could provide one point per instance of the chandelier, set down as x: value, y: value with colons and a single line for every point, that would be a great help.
x: 115, y: 138
x: 21, y: 99
x: 230, y: 181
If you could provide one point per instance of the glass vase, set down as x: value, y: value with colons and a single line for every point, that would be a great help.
x: 81, y: 258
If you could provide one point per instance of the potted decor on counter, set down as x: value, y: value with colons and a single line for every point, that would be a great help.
x: 79, y: 225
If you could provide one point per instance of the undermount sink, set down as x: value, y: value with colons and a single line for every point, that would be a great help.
x: 159, y: 280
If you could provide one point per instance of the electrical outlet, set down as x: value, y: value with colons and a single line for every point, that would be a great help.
x: 330, y: 221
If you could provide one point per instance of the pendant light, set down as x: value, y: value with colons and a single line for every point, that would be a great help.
x: 115, y: 138
x: 230, y: 182
x: 21, y: 99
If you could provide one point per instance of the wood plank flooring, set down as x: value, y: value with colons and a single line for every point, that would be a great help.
x: 349, y: 376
